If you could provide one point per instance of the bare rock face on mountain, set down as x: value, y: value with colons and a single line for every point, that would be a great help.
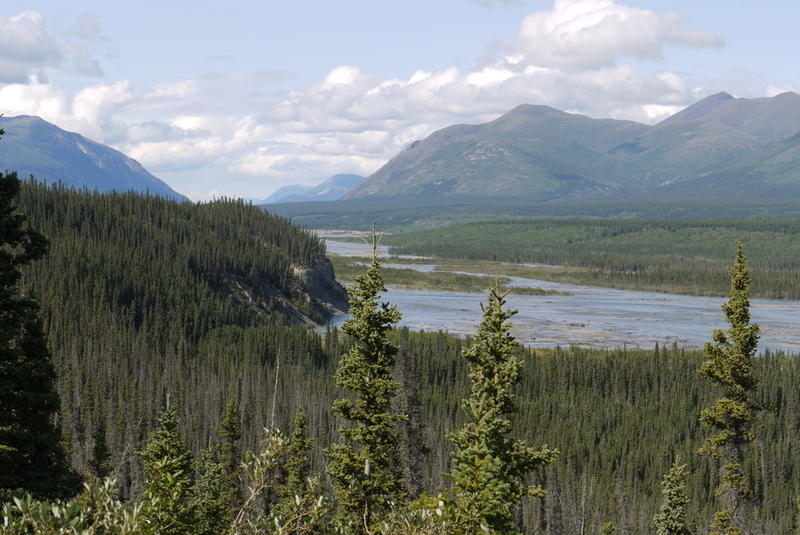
x: 320, y: 283
x: 32, y: 146
x: 536, y: 153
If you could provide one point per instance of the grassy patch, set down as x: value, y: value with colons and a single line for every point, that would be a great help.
x: 440, y: 280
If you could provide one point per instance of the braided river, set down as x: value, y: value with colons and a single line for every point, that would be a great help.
x: 589, y: 316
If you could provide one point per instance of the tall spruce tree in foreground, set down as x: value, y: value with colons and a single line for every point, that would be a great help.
x: 728, y: 364
x: 31, y: 455
x: 364, y: 465
x: 489, y: 467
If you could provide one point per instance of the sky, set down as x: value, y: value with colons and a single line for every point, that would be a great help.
x: 239, y: 98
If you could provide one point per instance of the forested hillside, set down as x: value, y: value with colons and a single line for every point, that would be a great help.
x: 147, y: 300
x: 144, y: 296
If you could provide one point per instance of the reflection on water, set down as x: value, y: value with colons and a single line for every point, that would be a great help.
x: 591, y: 317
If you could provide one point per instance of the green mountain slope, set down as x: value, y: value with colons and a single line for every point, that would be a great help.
x: 767, y: 119
x: 534, y: 151
x: 32, y: 146
x: 145, y: 297
x: 538, y: 153
x: 676, y: 151
x: 145, y: 253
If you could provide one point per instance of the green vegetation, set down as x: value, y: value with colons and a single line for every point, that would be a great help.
x: 438, y: 280
x: 365, y: 466
x: 143, y: 297
x: 591, y: 404
x: 138, y: 303
x: 169, y: 507
x: 729, y: 364
x: 673, y: 256
x: 409, y: 214
x: 671, y: 517
x: 489, y: 468
x: 32, y: 458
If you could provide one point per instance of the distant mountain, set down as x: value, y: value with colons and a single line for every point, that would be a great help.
x: 285, y: 191
x: 723, y: 144
x: 32, y: 146
x: 332, y: 189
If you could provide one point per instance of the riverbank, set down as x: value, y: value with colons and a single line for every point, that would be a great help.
x: 587, y: 316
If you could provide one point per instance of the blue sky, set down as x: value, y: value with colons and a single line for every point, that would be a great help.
x: 239, y: 98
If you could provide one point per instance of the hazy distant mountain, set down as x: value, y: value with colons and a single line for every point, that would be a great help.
x: 285, y: 191
x: 538, y: 153
x: 332, y: 189
x: 32, y: 146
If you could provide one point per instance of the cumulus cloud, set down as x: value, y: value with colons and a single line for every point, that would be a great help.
x: 91, y: 111
x: 26, y: 48
x: 25, y: 44
x: 590, y: 34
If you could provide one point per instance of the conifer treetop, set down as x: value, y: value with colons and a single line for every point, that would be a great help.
x: 489, y: 467
x: 364, y: 466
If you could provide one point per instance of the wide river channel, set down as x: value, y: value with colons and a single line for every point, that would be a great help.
x: 588, y: 317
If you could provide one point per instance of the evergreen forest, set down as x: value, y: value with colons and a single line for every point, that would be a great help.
x: 679, y: 256
x: 195, y: 397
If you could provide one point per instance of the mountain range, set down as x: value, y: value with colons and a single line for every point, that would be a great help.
x: 332, y: 189
x: 32, y: 146
x: 720, y: 146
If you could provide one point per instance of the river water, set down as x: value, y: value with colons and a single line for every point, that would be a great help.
x: 589, y: 317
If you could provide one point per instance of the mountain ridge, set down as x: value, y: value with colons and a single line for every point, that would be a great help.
x: 33, y: 146
x: 331, y: 189
x: 542, y: 154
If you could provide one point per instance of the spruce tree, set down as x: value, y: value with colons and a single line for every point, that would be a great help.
x: 298, y: 464
x: 413, y: 447
x: 213, y: 511
x: 168, y: 487
x: 364, y: 465
x: 229, y: 454
x: 31, y: 455
x: 671, y: 517
x: 728, y: 364
x: 101, y: 455
x: 489, y: 467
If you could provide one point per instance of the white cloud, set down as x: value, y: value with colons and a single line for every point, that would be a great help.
x: 488, y: 76
x: 92, y: 111
x: 589, y: 34
x: 774, y: 90
x: 25, y: 45
x: 34, y: 98
x: 26, y: 48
